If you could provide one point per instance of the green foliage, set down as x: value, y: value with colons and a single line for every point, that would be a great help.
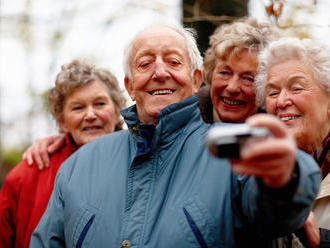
x: 12, y: 157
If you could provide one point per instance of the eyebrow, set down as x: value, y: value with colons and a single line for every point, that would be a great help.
x: 249, y: 72
x: 150, y: 52
x: 271, y: 85
x: 296, y: 77
x: 79, y: 100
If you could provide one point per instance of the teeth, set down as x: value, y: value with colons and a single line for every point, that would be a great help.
x: 232, y: 102
x: 287, y: 118
x: 161, y: 92
x: 90, y: 128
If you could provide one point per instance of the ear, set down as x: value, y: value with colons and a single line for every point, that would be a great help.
x: 63, y: 126
x: 129, y: 88
x: 197, y: 80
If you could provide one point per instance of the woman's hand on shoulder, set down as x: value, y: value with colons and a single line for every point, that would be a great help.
x: 39, y: 151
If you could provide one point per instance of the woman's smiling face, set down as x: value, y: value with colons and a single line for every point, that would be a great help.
x: 232, y: 87
x: 299, y: 101
x: 89, y: 113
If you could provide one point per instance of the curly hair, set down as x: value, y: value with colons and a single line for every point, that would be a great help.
x: 76, y: 74
x: 312, y: 52
x: 245, y: 33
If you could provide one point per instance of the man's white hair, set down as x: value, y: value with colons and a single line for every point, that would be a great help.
x: 189, y: 34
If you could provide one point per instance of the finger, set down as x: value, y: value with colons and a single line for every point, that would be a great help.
x: 43, y: 154
x: 37, y: 158
x: 258, y: 169
x: 29, y: 159
x: 38, y: 161
x: 270, y: 148
x: 275, y: 125
x: 57, y: 144
x: 27, y: 155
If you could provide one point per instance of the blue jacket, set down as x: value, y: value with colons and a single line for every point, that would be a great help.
x: 157, y: 186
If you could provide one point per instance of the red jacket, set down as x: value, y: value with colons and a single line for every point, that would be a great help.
x: 24, y: 197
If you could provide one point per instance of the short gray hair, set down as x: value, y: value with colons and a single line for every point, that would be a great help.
x: 189, y: 34
x: 311, y: 52
x: 245, y: 33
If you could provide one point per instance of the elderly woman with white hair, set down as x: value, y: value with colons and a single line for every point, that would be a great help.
x: 293, y: 83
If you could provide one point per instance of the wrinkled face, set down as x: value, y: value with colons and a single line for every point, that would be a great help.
x: 89, y: 113
x: 161, y: 73
x: 232, y: 86
x: 297, y: 98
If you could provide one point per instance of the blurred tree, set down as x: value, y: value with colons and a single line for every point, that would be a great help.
x: 288, y: 16
x: 206, y: 15
x: 10, y: 158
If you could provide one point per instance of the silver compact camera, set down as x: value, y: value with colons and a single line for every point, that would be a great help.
x: 225, y: 141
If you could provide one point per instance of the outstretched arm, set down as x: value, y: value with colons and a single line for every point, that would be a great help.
x: 39, y: 152
x: 284, y: 181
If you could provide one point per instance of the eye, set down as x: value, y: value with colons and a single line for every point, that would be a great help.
x: 100, y: 103
x: 272, y: 93
x: 144, y: 65
x: 248, y: 79
x: 174, y: 62
x: 77, y: 107
x: 223, y: 72
x: 297, y: 89
x: 298, y: 86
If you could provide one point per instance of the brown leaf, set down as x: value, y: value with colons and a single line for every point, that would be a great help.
x: 270, y: 10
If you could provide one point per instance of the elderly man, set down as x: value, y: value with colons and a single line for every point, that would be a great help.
x: 155, y: 184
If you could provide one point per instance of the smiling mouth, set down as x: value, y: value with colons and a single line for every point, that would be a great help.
x: 289, y: 118
x: 92, y: 128
x: 161, y: 92
x: 232, y: 102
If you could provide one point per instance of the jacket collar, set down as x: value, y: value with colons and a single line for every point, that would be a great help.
x: 171, y: 119
x: 72, y: 147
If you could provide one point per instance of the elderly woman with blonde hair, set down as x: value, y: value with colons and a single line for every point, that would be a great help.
x: 294, y: 84
x: 85, y: 103
x: 230, y: 66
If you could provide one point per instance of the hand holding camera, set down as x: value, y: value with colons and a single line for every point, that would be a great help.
x: 225, y: 141
x: 271, y: 157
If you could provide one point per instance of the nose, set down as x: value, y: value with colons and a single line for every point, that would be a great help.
x: 233, y: 85
x: 160, y: 72
x: 283, y: 100
x: 90, y: 114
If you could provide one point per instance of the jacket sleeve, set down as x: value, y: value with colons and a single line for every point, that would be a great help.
x: 8, y: 206
x: 276, y: 212
x: 50, y: 230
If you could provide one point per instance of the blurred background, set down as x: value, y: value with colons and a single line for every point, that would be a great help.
x: 38, y: 36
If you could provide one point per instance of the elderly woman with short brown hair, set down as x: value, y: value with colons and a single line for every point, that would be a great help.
x: 294, y: 84
x: 85, y: 103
